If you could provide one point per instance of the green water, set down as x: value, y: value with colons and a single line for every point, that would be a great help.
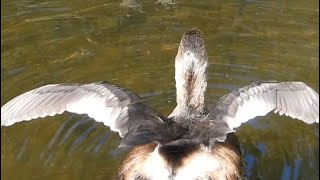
x: 44, y: 42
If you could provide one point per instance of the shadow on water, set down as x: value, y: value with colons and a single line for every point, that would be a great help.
x: 133, y: 44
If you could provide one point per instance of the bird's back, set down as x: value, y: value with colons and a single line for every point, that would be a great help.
x: 184, y: 161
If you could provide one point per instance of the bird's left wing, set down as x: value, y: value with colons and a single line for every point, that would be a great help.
x: 115, y: 107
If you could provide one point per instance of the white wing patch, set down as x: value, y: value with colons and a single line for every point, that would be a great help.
x: 248, y: 109
x: 103, y: 102
x: 294, y: 99
x: 94, y: 107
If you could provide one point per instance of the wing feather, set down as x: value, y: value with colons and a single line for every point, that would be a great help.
x: 115, y: 107
x: 294, y: 99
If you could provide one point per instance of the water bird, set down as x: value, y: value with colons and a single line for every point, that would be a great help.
x: 193, y: 142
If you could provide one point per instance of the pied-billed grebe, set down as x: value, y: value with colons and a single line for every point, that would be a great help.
x: 193, y: 142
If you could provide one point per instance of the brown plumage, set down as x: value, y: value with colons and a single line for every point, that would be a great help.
x: 226, y: 153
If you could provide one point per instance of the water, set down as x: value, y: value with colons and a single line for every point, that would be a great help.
x: 44, y: 42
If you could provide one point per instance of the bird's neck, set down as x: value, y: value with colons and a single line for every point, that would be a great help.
x: 191, y: 82
x: 191, y: 76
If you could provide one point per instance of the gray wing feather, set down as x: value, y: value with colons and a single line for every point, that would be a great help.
x: 294, y: 99
x: 117, y: 108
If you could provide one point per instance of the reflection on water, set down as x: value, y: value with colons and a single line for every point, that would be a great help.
x: 77, y: 41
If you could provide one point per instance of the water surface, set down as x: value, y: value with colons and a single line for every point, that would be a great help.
x: 134, y: 45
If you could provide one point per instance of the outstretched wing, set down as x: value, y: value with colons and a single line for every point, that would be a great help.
x: 117, y: 108
x: 294, y: 99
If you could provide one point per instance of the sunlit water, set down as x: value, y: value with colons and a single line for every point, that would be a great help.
x: 134, y: 45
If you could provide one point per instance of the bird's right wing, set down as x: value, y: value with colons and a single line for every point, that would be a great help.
x: 294, y: 99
